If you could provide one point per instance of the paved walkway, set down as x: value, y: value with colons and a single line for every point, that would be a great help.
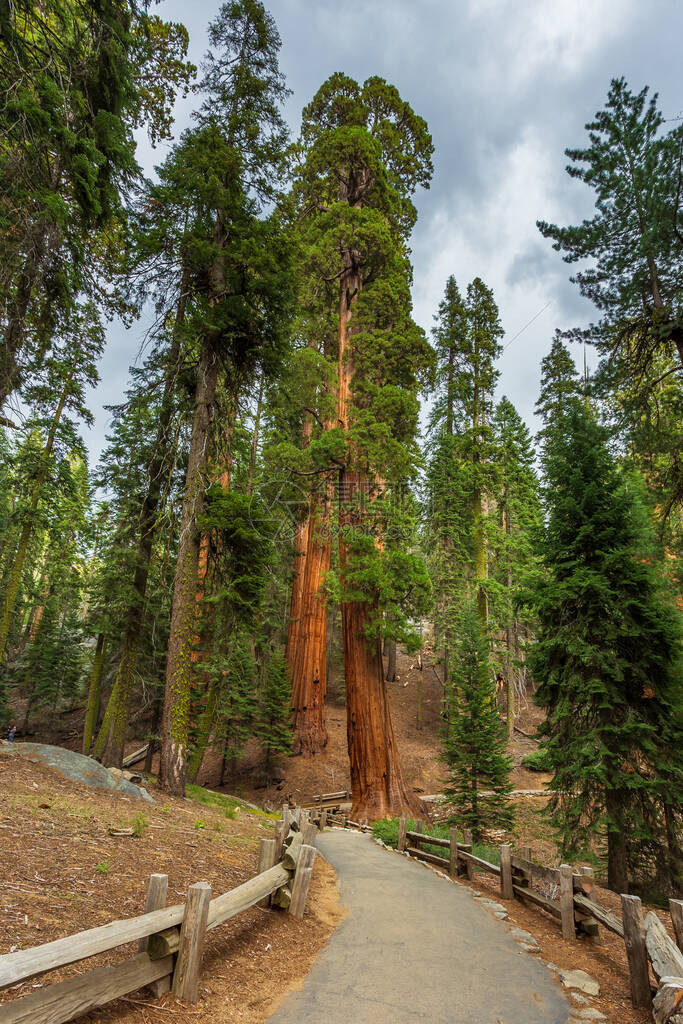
x: 416, y: 947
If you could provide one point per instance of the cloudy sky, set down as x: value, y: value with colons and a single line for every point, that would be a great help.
x: 505, y: 86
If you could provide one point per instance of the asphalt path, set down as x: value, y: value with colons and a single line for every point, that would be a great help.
x: 416, y: 947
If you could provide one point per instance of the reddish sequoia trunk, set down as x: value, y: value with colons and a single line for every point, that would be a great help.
x: 377, y: 784
x: 298, y: 568
x: 309, y: 665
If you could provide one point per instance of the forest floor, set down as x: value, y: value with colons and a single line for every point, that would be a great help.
x: 63, y: 872
x: 419, y: 745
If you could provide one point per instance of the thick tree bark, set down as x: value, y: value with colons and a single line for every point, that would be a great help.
x: 309, y: 667
x: 391, y: 664
x: 377, y: 784
x: 175, y: 721
x: 110, y: 740
x: 93, y: 708
x: 617, y: 859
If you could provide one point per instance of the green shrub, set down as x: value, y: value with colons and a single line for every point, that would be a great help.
x: 539, y: 761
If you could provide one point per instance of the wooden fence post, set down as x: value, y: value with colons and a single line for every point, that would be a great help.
x: 467, y: 841
x: 192, y: 936
x: 157, y: 892
x: 401, y: 845
x: 295, y: 815
x: 506, y: 889
x: 419, y: 827
x: 567, y: 901
x: 453, y: 853
x: 676, y: 908
x: 309, y: 832
x: 323, y: 819
x: 636, y: 951
x: 266, y: 859
x: 302, y: 881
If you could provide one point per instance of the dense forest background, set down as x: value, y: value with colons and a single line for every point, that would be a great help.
x: 298, y: 471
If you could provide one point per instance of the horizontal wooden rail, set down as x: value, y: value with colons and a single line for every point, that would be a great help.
x: 550, y: 906
x: 161, y: 933
x: 610, y: 921
x: 68, y: 999
x: 26, y: 963
x: 486, y: 865
x: 422, y: 837
x: 431, y: 858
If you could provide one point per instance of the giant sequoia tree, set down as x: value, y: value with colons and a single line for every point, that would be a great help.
x: 364, y: 154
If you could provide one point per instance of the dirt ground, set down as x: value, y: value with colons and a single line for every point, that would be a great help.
x: 419, y: 748
x: 63, y: 872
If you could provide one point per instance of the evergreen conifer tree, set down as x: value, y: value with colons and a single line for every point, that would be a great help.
x: 607, y: 661
x: 272, y: 725
x: 478, y: 769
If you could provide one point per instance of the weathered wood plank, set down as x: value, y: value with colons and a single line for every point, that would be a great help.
x: 157, y: 892
x: 605, y: 917
x: 667, y: 1006
x: 266, y: 859
x: 453, y: 853
x: 423, y: 837
x: 567, y: 902
x: 401, y: 845
x: 59, y: 1003
x: 636, y: 951
x: 537, y: 872
x: 467, y: 840
x: 431, y: 858
x: 506, y: 873
x: 302, y: 880
x: 192, y: 937
x: 666, y: 957
x: 310, y: 833
x: 27, y: 963
x: 541, y: 901
x: 231, y: 903
x: 676, y: 909
x: 471, y: 861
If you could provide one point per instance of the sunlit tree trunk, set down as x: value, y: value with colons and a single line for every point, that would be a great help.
x: 377, y: 784
x: 309, y: 664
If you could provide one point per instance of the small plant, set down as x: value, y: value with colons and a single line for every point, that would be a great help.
x: 140, y: 823
x: 217, y: 827
x: 102, y: 868
x: 165, y: 809
x: 539, y: 761
x: 199, y: 823
x: 232, y: 812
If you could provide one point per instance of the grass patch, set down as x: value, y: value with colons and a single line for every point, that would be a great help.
x: 229, y: 804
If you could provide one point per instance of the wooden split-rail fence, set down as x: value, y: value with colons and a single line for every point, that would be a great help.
x: 170, y: 939
x: 573, y: 905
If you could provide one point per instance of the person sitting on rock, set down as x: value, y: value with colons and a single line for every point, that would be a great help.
x: 12, y: 733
